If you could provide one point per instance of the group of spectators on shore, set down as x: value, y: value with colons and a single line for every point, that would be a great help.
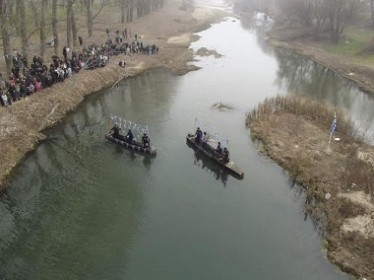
x: 26, y: 79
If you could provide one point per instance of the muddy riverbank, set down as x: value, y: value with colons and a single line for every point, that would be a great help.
x: 170, y: 28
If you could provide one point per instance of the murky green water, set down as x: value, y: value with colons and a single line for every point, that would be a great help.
x: 83, y: 208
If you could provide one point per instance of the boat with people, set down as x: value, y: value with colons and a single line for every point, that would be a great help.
x: 136, y: 139
x: 211, y: 148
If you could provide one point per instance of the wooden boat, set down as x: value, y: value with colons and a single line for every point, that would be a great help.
x: 134, y: 146
x: 208, y: 149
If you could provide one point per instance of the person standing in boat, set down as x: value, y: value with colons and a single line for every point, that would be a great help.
x: 146, y: 140
x: 198, y: 135
x: 129, y: 136
x: 226, y: 154
x: 115, y: 130
x: 219, y: 149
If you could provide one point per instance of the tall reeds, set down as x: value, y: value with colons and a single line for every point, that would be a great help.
x: 321, y: 114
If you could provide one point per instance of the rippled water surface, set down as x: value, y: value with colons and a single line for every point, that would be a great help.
x: 82, y: 208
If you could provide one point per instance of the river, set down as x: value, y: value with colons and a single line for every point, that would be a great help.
x: 80, y: 207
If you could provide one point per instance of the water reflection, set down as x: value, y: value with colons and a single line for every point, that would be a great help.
x: 83, y: 208
x: 300, y: 75
x: 210, y: 166
x: 260, y: 28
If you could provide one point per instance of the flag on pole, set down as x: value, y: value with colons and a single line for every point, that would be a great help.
x: 333, y: 125
x: 332, y: 130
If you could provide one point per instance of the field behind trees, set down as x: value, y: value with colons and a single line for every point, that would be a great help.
x: 44, y: 27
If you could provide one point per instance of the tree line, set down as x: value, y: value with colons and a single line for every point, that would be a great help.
x: 330, y: 16
x: 22, y: 19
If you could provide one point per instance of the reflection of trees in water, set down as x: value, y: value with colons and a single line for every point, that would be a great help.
x: 211, y: 167
x: 298, y: 74
x: 66, y: 192
x: 301, y: 75
x: 138, y: 97
x: 249, y: 22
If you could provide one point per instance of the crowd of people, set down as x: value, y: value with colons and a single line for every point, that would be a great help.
x: 26, y: 79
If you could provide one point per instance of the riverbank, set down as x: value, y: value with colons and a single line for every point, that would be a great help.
x: 337, y: 181
x: 170, y: 28
x: 347, y: 66
x: 349, y: 236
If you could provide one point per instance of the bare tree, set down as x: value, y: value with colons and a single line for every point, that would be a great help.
x: 130, y: 11
x: 289, y: 8
x: 304, y: 10
x: 5, y: 33
x: 74, y: 28
x: 340, y: 12
x: 23, y: 30
x: 35, y: 12
x: 372, y: 12
x: 90, y: 16
x: 319, y: 15
x: 123, y: 10
x: 69, y: 25
x: 54, y: 26
x: 42, y: 27
x: 89, y: 4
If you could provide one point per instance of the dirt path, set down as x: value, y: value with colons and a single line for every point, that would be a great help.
x: 171, y: 29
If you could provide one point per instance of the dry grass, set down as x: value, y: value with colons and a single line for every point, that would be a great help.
x: 319, y: 113
x: 294, y: 131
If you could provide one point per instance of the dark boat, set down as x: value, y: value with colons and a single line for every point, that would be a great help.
x: 134, y: 146
x: 208, y: 149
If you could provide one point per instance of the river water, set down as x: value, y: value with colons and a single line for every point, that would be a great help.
x: 82, y: 208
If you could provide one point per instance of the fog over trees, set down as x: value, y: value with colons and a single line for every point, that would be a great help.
x: 23, y: 19
x: 331, y: 16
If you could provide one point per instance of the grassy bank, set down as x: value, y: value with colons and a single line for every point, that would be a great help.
x: 294, y: 132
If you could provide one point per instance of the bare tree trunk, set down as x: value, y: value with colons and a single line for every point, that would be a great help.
x: 123, y: 10
x: 131, y: 10
x: 54, y: 26
x: 340, y: 12
x: 372, y: 12
x: 42, y: 28
x: 74, y: 29
x: 88, y: 4
x: 69, y: 25
x: 5, y: 35
x: 35, y: 12
x: 14, y: 20
x: 23, y: 29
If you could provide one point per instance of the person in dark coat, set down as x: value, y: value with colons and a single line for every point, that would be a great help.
x: 199, y: 135
x: 115, y: 130
x: 226, y: 155
x: 129, y: 136
x: 80, y: 40
x: 146, y: 141
x: 219, y: 149
x: 65, y: 52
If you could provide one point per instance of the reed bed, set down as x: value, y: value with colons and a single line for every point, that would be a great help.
x: 293, y: 131
x: 319, y: 113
